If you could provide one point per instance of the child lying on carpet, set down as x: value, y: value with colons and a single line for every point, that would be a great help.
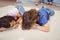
x: 7, y: 22
x: 37, y: 19
x: 15, y: 13
x: 32, y: 18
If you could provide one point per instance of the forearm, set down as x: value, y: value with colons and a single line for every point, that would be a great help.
x: 42, y: 28
x: 19, y: 21
x: 3, y: 29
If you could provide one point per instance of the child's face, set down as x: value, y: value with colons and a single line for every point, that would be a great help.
x: 12, y: 23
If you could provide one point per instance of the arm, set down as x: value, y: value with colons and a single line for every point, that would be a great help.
x: 19, y: 21
x: 14, y: 27
x: 42, y: 28
x: 3, y: 29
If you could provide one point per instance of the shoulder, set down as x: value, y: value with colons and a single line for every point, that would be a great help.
x: 13, y: 11
x: 43, y: 17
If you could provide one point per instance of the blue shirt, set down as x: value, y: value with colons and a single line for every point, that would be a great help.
x: 44, y: 14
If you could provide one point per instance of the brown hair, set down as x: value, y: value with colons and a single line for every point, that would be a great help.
x: 29, y: 17
x: 5, y: 21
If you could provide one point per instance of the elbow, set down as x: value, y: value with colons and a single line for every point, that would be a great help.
x: 47, y: 30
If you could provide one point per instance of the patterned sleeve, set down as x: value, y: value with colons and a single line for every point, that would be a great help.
x: 43, y: 17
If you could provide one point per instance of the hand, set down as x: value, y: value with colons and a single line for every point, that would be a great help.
x: 3, y: 29
x: 15, y: 26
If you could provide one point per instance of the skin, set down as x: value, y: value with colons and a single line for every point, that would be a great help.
x: 19, y: 21
x: 13, y: 24
x: 3, y: 29
x: 44, y: 28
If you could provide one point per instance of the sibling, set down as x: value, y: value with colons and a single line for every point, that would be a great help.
x: 37, y: 19
x: 29, y: 18
x: 16, y: 14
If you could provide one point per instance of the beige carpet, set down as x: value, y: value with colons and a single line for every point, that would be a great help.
x: 33, y: 34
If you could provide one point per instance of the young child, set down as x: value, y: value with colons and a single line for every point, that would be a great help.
x: 16, y: 13
x: 41, y: 17
x: 29, y: 18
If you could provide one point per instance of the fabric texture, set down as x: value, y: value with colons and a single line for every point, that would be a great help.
x: 21, y: 9
x: 13, y: 12
x: 44, y: 14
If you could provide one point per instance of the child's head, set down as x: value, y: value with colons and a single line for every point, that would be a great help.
x: 30, y: 17
x: 7, y: 22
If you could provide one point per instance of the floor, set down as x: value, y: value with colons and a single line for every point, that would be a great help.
x: 6, y: 3
x: 33, y: 34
